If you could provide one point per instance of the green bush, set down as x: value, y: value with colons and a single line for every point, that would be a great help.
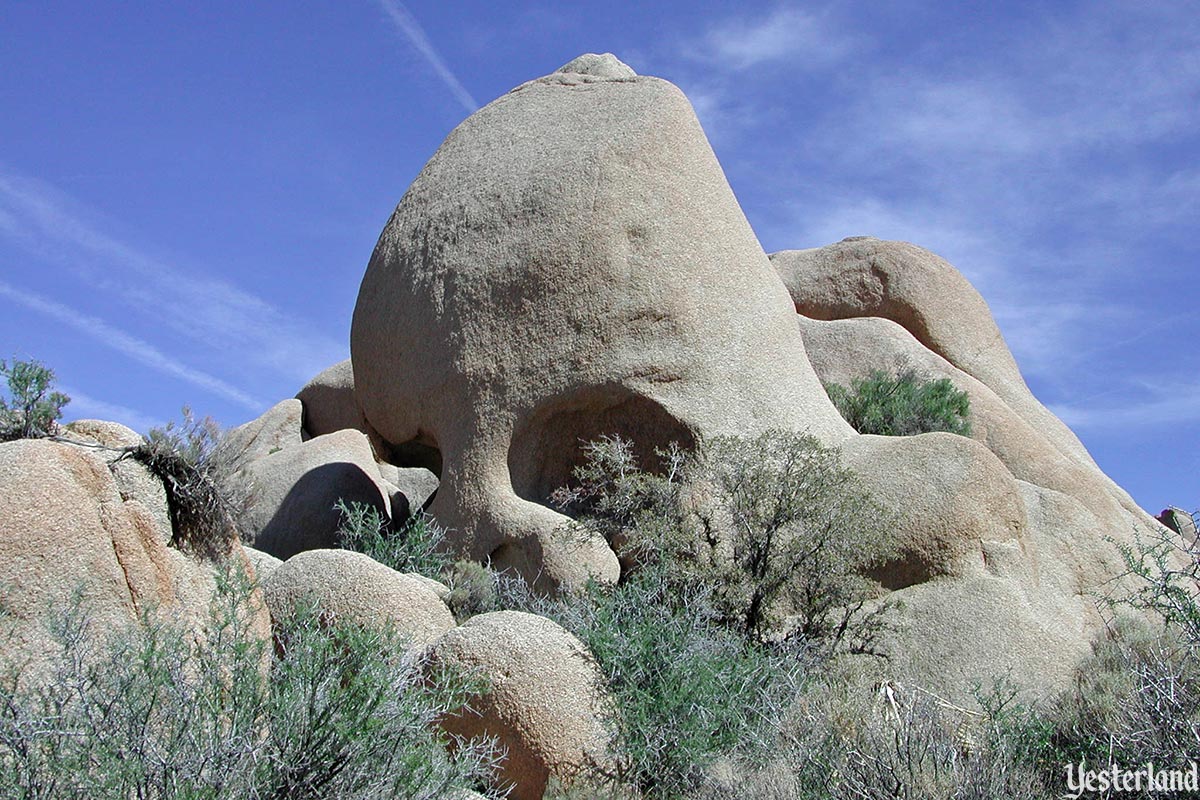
x: 341, y: 713
x: 904, y: 405
x: 744, y: 562
x: 472, y: 589
x: 774, y: 527
x: 32, y: 409
x: 687, y: 690
x: 415, y: 547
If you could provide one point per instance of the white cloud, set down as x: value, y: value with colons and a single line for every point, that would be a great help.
x: 210, y: 311
x: 788, y: 34
x: 407, y: 24
x: 105, y: 334
x: 1181, y: 406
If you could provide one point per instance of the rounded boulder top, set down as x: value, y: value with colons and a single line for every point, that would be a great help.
x: 598, y: 65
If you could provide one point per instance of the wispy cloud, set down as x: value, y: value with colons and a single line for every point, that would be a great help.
x: 141, y: 351
x: 42, y: 220
x: 83, y: 406
x: 1179, y: 407
x: 787, y: 34
x: 407, y: 24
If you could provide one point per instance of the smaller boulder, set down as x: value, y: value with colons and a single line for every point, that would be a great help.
x: 1179, y: 521
x: 104, y: 433
x: 354, y: 588
x: 329, y: 403
x: 545, y: 703
x: 294, y: 492
x: 278, y: 429
x: 264, y: 563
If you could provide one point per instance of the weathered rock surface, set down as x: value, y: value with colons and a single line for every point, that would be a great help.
x: 948, y: 499
x: 353, y: 588
x: 328, y: 401
x: 571, y: 262
x: 866, y: 277
x: 264, y: 563
x: 104, y: 432
x: 134, y: 481
x: 69, y: 528
x: 294, y: 492
x: 545, y: 704
x: 278, y: 429
x: 870, y: 305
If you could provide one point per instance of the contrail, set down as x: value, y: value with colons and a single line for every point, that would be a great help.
x: 40, y: 219
x: 409, y: 26
x: 131, y: 346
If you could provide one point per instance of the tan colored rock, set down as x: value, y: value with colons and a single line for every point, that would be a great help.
x: 264, y: 563
x: 104, y: 432
x: 329, y: 403
x: 67, y: 529
x: 134, y: 480
x: 278, y: 429
x: 571, y: 263
x: 947, y: 499
x: 295, y: 491
x: 416, y: 484
x: 1179, y: 521
x: 842, y: 351
x: 867, y: 277
x: 437, y: 587
x: 545, y: 705
x: 353, y: 588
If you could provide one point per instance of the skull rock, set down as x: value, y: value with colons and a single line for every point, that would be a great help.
x: 571, y: 263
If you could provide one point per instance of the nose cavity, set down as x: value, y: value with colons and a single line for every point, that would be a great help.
x: 548, y: 444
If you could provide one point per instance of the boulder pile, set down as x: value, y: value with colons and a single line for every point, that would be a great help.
x: 570, y: 264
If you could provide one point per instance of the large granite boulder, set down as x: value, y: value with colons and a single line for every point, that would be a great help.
x: 70, y: 533
x: 571, y: 263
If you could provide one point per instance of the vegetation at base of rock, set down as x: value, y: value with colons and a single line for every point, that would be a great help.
x: 700, y: 657
x: 902, y: 405
x: 1138, y: 696
x: 416, y: 546
x: 184, y: 455
x: 33, y: 408
x: 148, y: 712
x: 778, y: 532
x: 472, y: 589
x: 687, y: 690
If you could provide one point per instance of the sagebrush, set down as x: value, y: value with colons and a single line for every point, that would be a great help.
x: 904, y: 404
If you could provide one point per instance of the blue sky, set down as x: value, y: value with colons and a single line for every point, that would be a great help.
x: 189, y: 193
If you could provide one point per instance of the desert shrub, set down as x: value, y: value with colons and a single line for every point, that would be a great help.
x: 1137, y: 698
x: 903, y: 405
x: 184, y: 456
x: 693, y: 641
x: 687, y: 689
x: 149, y: 713
x: 473, y: 589
x: 32, y: 408
x: 414, y: 547
x: 843, y: 742
x: 799, y: 534
x: 774, y: 527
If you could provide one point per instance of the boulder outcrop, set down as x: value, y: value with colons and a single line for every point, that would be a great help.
x: 72, y: 534
x: 571, y: 263
x: 294, y: 492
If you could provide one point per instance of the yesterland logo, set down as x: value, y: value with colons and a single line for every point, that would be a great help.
x: 1114, y: 779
